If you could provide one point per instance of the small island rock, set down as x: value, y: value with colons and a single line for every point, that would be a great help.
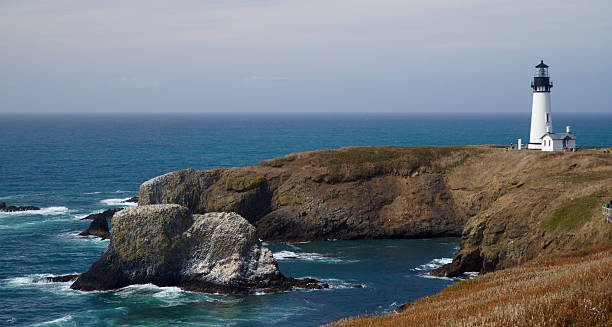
x: 99, y: 225
x: 5, y: 208
x: 168, y: 246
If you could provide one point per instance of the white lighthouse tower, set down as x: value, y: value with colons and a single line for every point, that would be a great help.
x: 541, y: 121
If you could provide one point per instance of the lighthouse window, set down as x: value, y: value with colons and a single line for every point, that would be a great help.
x: 547, y: 117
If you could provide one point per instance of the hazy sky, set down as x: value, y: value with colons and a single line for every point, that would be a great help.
x: 302, y: 56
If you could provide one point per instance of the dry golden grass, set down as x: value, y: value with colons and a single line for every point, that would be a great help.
x: 574, y: 289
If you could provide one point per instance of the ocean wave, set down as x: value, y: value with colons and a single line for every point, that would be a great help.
x: 63, y: 321
x: 335, y: 283
x: 437, y: 263
x: 31, y: 280
x: 120, y: 191
x: 40, y: 282
x: 470, y: 274
x: 49, y: 211
x: 427, y: 275
x: 75, y: 237
x: 168, y: 295
x: 118, y: 202
x: 81, y: 216
x: 433, y: 264
x: 306, y: 256
x: 91, y: 193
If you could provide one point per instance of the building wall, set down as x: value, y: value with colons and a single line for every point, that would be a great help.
x: 548, y: 144
x: 540, y: 107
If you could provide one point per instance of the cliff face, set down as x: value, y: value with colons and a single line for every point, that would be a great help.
x: 351, y: 193
x: 525, y: 203
x: 507, y: 206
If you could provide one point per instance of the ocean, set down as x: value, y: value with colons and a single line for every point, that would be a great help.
x: 75, y: 165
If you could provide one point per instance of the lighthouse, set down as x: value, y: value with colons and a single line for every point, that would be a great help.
x: 541, y: 121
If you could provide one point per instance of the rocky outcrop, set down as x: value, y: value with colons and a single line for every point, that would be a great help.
x: 168, y: 246
x: 99, y: 225
x: 133, y: 199
x: 219, y: 190
x: 60, y: 279
x: 5, y: 208
x: 352, y: 193
x: 508, y: 207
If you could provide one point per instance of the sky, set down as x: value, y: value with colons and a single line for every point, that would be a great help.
x: 290, y: 56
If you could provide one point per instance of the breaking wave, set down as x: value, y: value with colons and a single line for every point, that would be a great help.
x: 49, y: 211
x: 118, y: 202
x: 306, y: 256
x: 433, y: 264
x: 169, y: 295
x: 63, y: 321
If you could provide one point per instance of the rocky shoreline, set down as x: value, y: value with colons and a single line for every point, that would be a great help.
x: 508, y: 207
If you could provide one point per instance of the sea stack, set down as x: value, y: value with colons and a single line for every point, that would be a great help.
x: 168, y: 246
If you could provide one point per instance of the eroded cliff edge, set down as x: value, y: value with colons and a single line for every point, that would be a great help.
x: 507, y: 206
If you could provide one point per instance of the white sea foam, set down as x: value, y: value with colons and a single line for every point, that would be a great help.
x: 427, y: 275
x: 118, y: 202
x: 81, y: 216
x: 306, y: 256
x: 91, y: 193
x: 63, y: 321
x: 335, y: 283
x: 39, y: 281
x: 169, y: 296
x: 49, y: 211
x: 470, y: 274
x: 433, y: 264
x: 30, y: 280
x: 75, y: 237
x: 120, y: 191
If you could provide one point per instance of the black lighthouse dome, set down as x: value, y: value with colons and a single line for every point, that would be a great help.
x: 541, y: 80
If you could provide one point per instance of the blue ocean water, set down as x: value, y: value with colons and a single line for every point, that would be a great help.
x: 74, y: 165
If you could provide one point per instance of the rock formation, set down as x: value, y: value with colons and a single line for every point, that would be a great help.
x: 99, y: 225
x: 352, y: 193
x: 168, y: 246
x: 5, y: 208
x: 508, y: 207
x: 133, y: 199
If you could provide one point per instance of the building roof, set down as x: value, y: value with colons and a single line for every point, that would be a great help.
x: 542, y: 64
x: 559, y: 136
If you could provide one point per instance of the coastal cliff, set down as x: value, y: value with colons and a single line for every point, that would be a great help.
x: 352, y: 193
x: 508, y: 207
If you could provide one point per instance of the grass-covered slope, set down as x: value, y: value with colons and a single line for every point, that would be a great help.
x: 521, y: 204
x: 574, y: 289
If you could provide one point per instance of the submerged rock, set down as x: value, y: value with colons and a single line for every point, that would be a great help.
x: 168, y: 246
x: 5, y: 208
x: 133, y: 199
x: 60, y: 279
x: 99, y: 225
